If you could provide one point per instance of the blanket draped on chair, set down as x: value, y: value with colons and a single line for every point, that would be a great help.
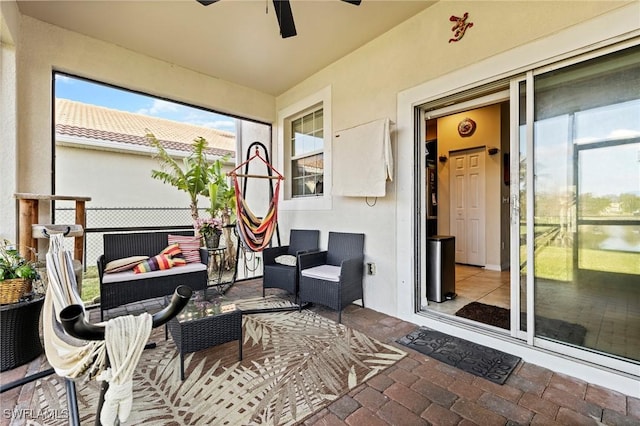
x: 125, y: 338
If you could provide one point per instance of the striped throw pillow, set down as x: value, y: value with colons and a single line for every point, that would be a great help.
x: 190, y: 246
x: 173, y: 250
x: 178, y: 261
x: 125, y: 264
x: 155, y: 263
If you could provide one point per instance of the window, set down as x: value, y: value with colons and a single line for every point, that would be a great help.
x: 307, y: 143
x: 586, y: 195
x: 304, y: 152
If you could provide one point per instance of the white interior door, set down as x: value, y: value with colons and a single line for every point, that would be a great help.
x: 468, y: 205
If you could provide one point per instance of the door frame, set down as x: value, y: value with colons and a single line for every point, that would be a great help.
x: 494, y: 93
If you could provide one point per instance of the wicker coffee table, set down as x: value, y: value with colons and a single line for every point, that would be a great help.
x: 202, y: 325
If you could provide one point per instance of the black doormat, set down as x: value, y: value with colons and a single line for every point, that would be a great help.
x: 547, y: 327
x: 479, y: 360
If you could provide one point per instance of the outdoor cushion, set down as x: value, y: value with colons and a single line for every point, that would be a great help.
x: 323, y: 272
x: 172, y: 250
x: 178, y: 261
x: 158, y: 262
x: 132, y: 276
x: 190, y: 246
x: 286, y: 259
x: 124, y: 264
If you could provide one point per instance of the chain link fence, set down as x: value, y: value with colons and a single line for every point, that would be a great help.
x: 100, y: 221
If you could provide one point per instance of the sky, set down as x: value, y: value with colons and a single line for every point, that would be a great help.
x: 123, y: 100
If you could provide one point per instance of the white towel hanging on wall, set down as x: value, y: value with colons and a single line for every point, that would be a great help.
x: 362, y: 160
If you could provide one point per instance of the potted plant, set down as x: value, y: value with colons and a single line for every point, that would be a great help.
x: 210, y: 229
x: 16, y: 274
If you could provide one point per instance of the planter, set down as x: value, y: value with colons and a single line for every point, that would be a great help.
x: 212, y: 241
x: 12, y: 290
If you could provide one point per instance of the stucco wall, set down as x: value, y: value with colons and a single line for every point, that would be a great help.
x: 365, y: 85
x: 115, y: 179
x: 43, y: 48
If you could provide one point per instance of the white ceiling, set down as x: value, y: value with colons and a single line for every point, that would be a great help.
x: 234, y: 40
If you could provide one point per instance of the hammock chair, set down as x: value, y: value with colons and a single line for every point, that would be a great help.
x: 107, y: 351
x: 255, y: 232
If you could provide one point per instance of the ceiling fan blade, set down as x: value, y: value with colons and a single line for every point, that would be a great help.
x: 285, y: 18
x: 354, y: 2
x: 206, y: 2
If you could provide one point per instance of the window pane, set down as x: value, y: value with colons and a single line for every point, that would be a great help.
x: 307, y: 134
x: 307, y: 165
x: 308, y: 176
x: 587, y: 194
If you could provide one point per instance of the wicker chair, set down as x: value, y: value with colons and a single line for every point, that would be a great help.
x: 277, y: 275
x: 333, y: 278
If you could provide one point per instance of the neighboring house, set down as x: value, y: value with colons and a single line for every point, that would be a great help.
x: 105, y: 153
x: 543, y: 81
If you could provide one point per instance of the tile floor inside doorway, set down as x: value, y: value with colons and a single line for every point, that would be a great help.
x: 476, y: 284
x: 612, y: 318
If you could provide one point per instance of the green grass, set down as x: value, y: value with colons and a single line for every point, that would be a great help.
x: 556, y: 262
x: 90, y: 284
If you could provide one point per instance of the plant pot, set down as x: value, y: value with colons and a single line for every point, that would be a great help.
x: 12, y: 290
x: 212, y: 241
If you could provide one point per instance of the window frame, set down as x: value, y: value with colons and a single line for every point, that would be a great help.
x: 307, y: 154
x: 318, y: 100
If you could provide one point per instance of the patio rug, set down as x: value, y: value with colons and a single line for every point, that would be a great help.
x: 295, y: 363
x: 479, y: 360
x: 500, y: 317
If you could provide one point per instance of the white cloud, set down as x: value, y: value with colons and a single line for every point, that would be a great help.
x: 159, y: 107
x: 64, y: 79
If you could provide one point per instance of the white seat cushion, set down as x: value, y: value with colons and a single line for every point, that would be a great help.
x: 323, y: 272
x: 286, y: 259
x: 132, y: 276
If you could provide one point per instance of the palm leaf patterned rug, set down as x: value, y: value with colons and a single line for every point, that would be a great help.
x: 295, y: 363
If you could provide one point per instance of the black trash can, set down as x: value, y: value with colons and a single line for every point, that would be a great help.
x: 441, y: 271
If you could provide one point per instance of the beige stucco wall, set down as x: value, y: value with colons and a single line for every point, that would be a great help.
x: 43, y: 48
x: 115, y: 179
x: 365, y: 85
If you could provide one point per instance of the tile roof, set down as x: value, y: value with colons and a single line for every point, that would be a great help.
x: 94, y: 122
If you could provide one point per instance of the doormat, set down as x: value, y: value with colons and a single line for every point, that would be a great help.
x: 473, y: 358
x: 546, y: 327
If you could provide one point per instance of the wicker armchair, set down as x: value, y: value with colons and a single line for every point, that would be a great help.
x: 333, y: 278
x: 277, y: 275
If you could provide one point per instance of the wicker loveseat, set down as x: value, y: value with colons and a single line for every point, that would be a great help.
x: 126, y: 287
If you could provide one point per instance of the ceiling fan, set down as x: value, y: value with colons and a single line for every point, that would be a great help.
x: 284, y: 14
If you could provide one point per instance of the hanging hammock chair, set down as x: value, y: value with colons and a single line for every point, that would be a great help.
x: 256, y: 232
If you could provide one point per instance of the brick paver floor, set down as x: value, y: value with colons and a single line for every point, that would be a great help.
x: 420, y: 390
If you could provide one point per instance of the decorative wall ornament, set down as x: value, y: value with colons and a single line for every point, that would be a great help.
x: 466, y: 127
x: 460, y: 27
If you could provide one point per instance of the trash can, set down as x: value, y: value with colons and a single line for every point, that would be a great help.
x: 441, y: 272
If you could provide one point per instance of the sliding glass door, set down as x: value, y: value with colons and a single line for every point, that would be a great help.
x: 581, y: 204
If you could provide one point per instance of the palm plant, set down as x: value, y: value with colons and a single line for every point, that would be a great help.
x: 192, y: 178
x: 221, y: 195
x: 196, y: 176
